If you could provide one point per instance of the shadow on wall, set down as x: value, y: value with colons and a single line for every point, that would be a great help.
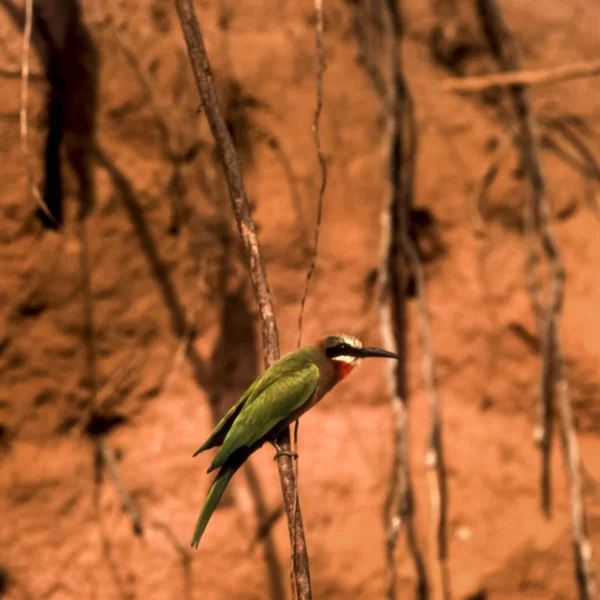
x: 71, y: 61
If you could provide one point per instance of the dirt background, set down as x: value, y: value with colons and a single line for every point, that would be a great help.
x: 174, y: 324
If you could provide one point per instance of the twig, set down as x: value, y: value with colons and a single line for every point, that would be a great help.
x: 507, y: 53
x: 317, y: 139
x: 228, y: 155
x: 398, y: 108
x: 434, y: 459
x: 145, y: 82
x: 586, y: 581
x: 182, y: 552
x: 365, y: 53
x: 516, y: 77
x: 35, y: 192
x: 128, y: 505
x: 402, y: 171
x: 505, y: 48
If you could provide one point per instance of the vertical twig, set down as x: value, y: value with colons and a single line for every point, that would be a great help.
x: 398, y: 107
x: 23, y: 119
x: 317, y: 139
x: 434, y: 459
x: 241, y: 209
x: 109, y: 460
x: 507, y: 54
x: 553, y: 379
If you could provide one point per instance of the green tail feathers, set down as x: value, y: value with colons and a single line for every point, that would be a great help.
x: 212, y: 499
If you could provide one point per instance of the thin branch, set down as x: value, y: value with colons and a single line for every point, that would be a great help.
x: 128, y: 505
x: 507, y: 54
x: 241, y: 208
x: 366, y: 58
x: 167, y: 137
x: 516, y: 77
x: 586, y: 581
x: 317, y: 139
x: 402, y: 169
x: 434, y: 459
x: 35, y: 192
x: 394, y: 279
x: 183, y: 553
x: 505, y: 47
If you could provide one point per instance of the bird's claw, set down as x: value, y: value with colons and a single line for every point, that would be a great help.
x: 285, y: 453
x: 281, y: 452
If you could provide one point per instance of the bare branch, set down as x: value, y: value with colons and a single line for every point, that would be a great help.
x: 183, y: 553
x: 128, y: 505
x: 517, y: 77
x: 394, y: 279
x: 506, y: 50
x: 434, y: 458
x: 241, y: 208
x: 35, y: 192
x: 321, y: 158
x: 507, y: 53
x: 583, y: 555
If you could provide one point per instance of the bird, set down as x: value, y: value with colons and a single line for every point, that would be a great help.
x: 278, y: 397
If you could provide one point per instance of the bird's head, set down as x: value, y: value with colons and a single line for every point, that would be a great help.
x: 346, y: 352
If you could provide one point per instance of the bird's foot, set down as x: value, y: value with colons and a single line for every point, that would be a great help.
x: 282, y: 452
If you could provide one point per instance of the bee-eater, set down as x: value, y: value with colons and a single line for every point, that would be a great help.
x: 285, y: 391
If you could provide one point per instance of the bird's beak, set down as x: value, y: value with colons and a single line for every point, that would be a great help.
x: 375, y: 352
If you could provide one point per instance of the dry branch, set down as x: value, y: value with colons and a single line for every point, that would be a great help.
x: 109, y: 460
x: 35, y: 192
x: 434, y: 459
x: 228, y: 155
x: 401, y: 256
x: 320, y: 157
x: 402, y: 140
x: 506, y: 50
x: 516, y: 77
x: 183, y: 554
x: 507, y: 54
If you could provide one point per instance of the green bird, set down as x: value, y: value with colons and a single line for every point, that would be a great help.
x: 285, y: 391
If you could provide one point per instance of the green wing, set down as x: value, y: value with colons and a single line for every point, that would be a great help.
x: 282, y: 389
x: 218, y: 435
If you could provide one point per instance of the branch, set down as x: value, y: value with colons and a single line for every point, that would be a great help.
x: 584, y: 573
x: 434, y: 459
x: 183, y: 553
x: 394, y: 275
x: 128, y: 505
x: 35, y: 192
x: 507, y: 54
x: 241, y: 209
x: 506, y: 50
x: 322, y: 164
x: 517, y: 77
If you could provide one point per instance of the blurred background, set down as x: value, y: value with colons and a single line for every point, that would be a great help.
x: 128, y: 325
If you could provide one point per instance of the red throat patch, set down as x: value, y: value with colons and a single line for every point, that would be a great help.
x: 343, y: 369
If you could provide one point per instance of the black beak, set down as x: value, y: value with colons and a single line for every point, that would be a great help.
x: 373, y: 353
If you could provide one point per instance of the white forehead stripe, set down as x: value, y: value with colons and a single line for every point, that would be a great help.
x: 350, y: 360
